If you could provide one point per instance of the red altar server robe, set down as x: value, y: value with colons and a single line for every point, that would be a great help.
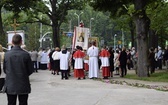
x: 104, y: 56
x: 78, y: 66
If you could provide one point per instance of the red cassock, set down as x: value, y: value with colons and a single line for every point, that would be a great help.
x: 79, y: 64
x: 104, y: 56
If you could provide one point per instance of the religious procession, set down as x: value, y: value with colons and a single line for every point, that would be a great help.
x: 79, y: 40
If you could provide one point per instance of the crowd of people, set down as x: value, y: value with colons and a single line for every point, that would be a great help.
x: 89, y: 62
x: 19, y: 64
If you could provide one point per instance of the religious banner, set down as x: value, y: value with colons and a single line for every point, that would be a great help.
x: 91, y: 39
x: 80, y: 37
x: 10, y: 34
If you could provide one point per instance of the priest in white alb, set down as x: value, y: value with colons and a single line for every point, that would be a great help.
x: 93, y: 53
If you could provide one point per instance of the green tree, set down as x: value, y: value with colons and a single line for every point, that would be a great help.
x: 54, y: 13
x: 12, y: 5
x: 2, y: 33
x: 158, y: 15
x: 142, y: 22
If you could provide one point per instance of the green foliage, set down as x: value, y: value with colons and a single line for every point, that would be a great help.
x: 102, y: 25
x: 115, y: 7
x: 158, y: 15
x: 16, y: 5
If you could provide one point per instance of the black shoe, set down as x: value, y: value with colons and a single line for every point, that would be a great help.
x: 79, y: 78
x: 66, y: 78
x: 84, y: 78
x: 105, y: 78
x: 94, y: 77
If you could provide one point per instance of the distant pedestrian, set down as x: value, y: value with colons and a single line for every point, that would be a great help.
x: 156, y: 60
x: 123, y: 62
x: 39, y: 58
x: 93, y: 53
x: 159, y: 57
x: 18, y: 67
x: 56, y: 61
x: 111, y: 61
x: 51, y: 61
x: 134, y: 58
x: 34, y: 56
x: 73, y: 60
x: 116, y: 62
x: 151, y: 58
x: 129, y: 61
x: 44, y: 59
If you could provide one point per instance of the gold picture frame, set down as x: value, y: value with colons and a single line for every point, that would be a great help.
x: 91, y: 39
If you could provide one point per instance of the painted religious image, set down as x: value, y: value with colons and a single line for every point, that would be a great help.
x: 81, y: 37
x: 95, y: 39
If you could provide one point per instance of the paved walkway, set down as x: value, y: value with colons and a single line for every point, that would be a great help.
x: 49, y: 89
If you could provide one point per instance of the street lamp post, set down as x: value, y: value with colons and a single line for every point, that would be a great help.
x: 91, y: 26
x: 114, y: 40
x: 78, y: 15
x: 123, y: 43
x: 43, y: 38
x: 41, y: 31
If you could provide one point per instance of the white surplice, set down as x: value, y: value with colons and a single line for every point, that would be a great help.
x: 64, y: 60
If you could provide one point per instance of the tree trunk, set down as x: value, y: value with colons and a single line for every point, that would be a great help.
x: 56, y: 37
x: 142, y: 27
x: 2, y: 33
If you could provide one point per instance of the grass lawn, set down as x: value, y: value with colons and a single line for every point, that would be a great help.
x: 156, y: 77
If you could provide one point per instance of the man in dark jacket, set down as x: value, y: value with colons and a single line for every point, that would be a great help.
x: 123, y: 62
x: 18, y: 67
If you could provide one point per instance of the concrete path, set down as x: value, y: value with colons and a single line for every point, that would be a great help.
x: 49, y: 89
